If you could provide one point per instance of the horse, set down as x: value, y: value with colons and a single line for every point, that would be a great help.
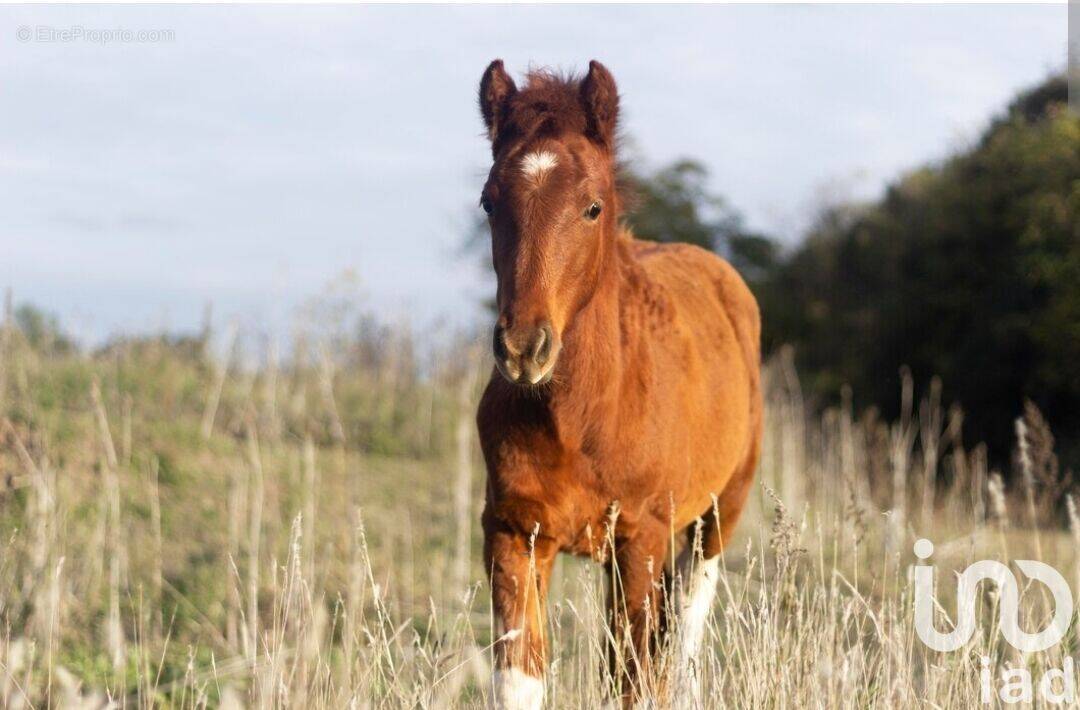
x: 625, y: 401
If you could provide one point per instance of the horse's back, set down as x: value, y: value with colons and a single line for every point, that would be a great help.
x: 705, y: 286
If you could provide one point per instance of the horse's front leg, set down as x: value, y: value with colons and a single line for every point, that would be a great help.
x: 636, y: 600
x: 519, y: 566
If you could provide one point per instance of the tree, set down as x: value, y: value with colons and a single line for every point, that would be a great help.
x: 969, y: 270
x: 42, y: 330
x: 674, y: 204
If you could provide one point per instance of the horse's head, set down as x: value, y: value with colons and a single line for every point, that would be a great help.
x: 551, y: 204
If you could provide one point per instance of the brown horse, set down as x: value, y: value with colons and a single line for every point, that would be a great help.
x: 626, y: 402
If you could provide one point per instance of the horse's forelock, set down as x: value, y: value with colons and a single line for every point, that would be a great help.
x: 548, y: 105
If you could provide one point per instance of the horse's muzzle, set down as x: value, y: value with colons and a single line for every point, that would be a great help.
x: 526, y: 356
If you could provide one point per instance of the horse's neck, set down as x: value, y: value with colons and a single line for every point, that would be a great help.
x: 588, y: 390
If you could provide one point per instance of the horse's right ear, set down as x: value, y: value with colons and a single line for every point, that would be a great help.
x: 496, y: 88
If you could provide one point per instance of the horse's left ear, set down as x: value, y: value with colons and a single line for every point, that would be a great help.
x: 601, y: 99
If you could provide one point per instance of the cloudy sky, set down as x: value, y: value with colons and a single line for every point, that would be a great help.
x: 265, y: 150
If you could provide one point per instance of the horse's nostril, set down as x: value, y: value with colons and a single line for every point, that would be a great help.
x: 542, y: 349
x: 498, y: 343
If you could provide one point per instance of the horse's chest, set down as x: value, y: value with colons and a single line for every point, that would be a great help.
x: 575, y: 489
x: 606, y: 489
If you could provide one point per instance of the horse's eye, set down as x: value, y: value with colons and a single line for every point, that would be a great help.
x: 485, y: 204
x: 593, y: 211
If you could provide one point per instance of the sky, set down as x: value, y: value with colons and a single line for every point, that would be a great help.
x: 263, y: 151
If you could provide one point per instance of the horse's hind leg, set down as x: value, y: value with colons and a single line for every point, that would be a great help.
x: 698, y: 569
x: 696, y: 579
x: 698, y: 565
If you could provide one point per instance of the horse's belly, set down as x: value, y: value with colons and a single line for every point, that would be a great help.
x: 707, y: 442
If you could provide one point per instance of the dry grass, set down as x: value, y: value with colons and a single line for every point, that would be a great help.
x: 178, y: 529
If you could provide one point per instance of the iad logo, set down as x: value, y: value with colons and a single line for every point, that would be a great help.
x: 1008, y: 609
x: 1018, y: 686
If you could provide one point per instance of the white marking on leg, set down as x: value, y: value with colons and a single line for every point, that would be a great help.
x: 536, y: 165
x: 699, y: 592
x: 516, y: 690
x: 699, y: 578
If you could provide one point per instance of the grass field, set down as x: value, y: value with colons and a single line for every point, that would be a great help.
x: 179, y: 527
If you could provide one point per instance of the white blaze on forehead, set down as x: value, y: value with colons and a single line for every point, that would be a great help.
x: 536, y: 165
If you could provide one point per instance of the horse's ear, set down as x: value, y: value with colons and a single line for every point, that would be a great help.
x: 601, y: 99
x: 496, y: 88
